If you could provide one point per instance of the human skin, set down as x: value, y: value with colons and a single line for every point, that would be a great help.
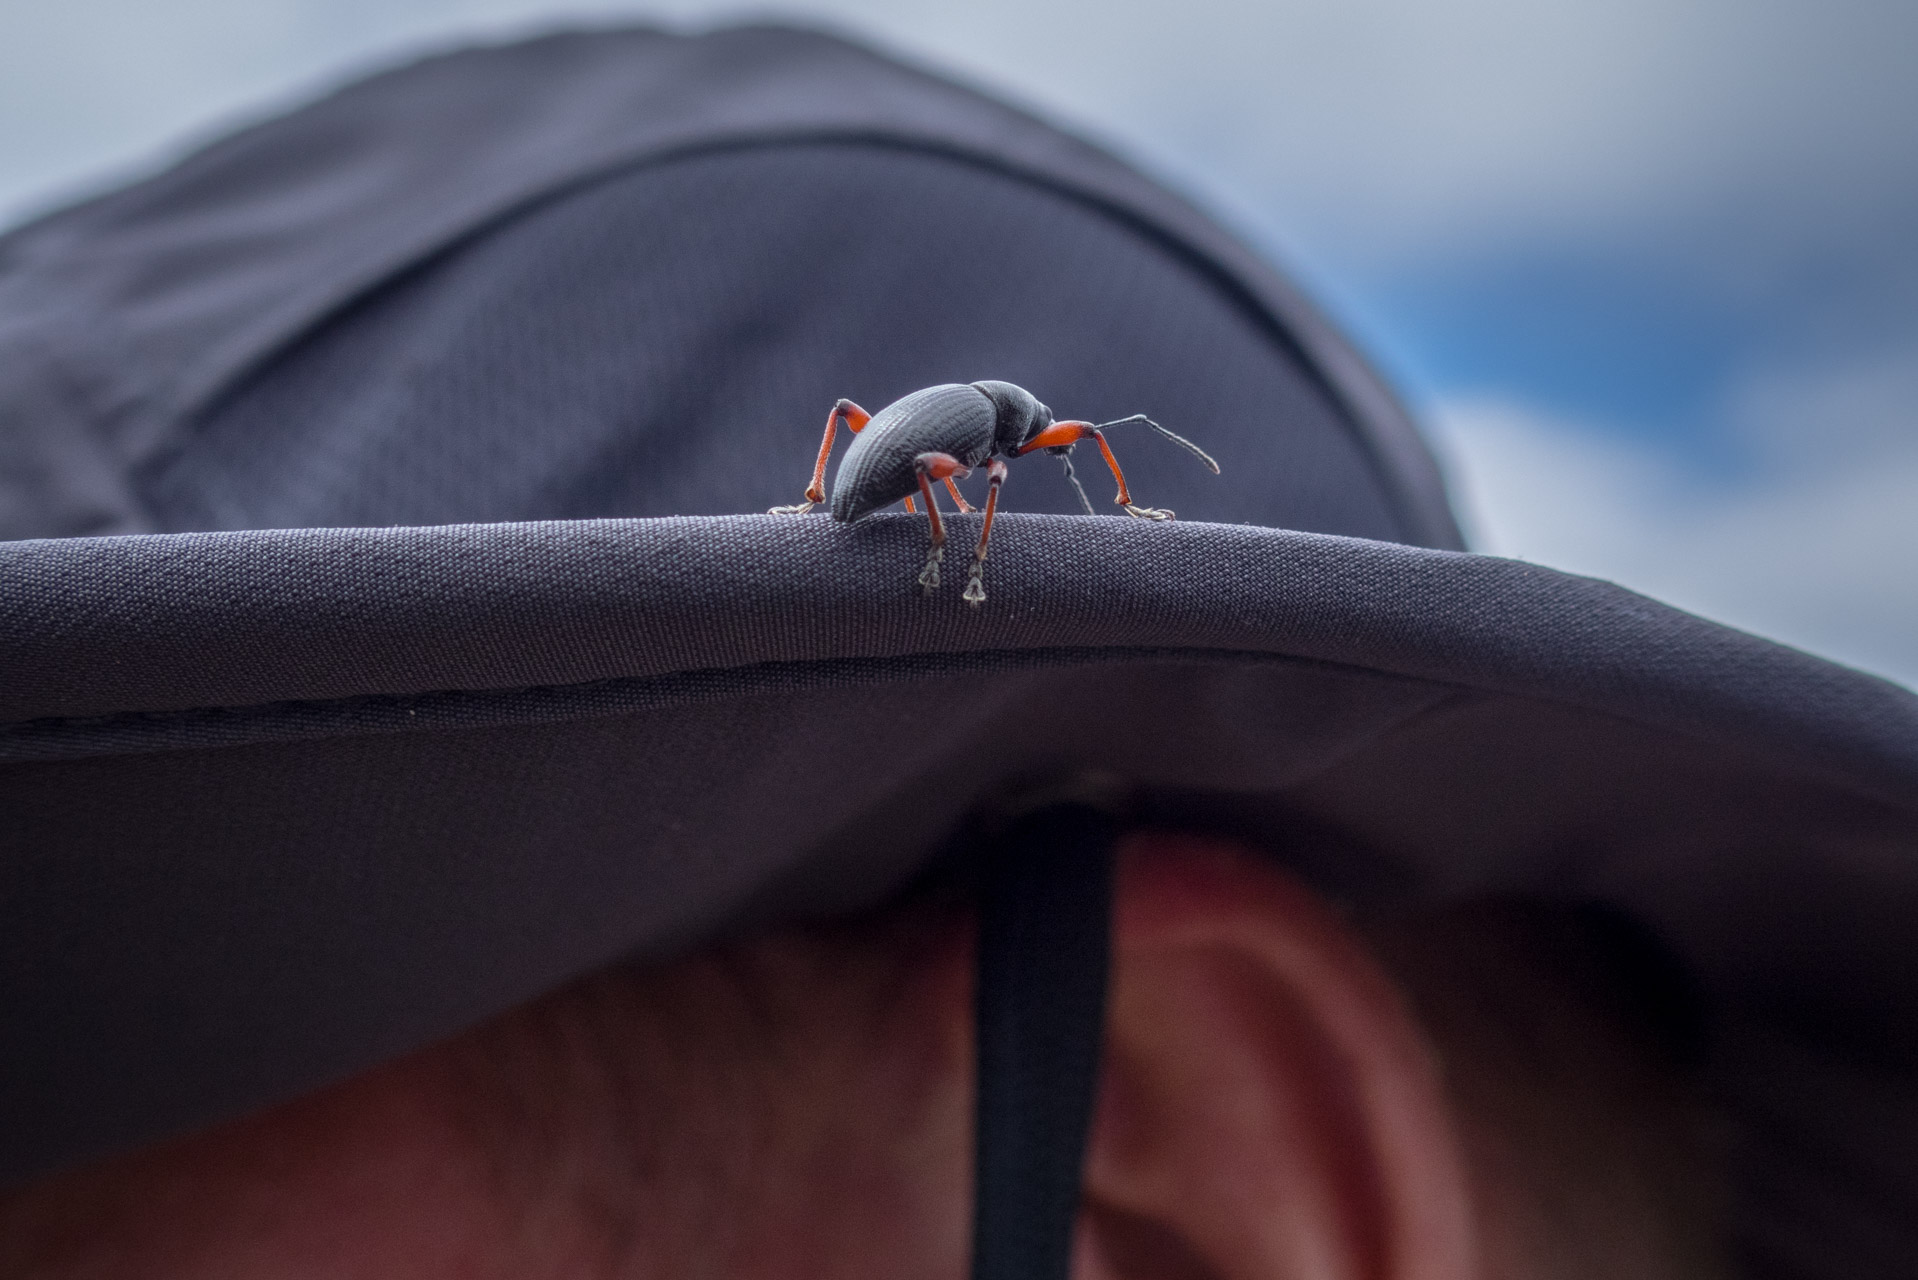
x: 791, y: 1106
x: 799, y: 1105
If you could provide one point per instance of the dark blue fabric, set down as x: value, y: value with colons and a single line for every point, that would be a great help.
x: 126, y: 320
x: 161, y: 623
x: 669, y: 342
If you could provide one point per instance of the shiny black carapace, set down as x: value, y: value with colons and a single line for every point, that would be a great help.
x: 944, y: 432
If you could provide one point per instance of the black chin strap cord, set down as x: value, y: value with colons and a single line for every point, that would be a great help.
x: 1045, y: 924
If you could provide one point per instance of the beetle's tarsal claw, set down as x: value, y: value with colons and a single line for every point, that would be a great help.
x: 929, y: 576
x: 975, y: 592
x: 796, y: 509
x: 1148, y: 513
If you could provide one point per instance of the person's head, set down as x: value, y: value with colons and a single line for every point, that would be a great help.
x: 1489, y: 1090
x: 459, y: 665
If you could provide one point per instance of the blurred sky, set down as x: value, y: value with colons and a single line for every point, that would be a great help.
x: 1647, y: 268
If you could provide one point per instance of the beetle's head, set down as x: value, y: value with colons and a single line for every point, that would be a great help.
x: 1021, y: 416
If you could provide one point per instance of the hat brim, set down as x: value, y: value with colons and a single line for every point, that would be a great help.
x: 280, y: 805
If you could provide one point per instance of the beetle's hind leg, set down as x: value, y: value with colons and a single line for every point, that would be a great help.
x: 930, y: 467
x: 975, y: 592
x: 856, y: 420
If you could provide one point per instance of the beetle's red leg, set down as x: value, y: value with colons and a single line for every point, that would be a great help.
x: 958, y: 498
x: 975, y: 592
x: 856, y: 420
x: 1061, y: 433
x: 930, y: 467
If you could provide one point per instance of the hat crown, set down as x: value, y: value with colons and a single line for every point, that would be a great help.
x: 636, y: 291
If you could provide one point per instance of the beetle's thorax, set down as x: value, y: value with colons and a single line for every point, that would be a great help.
x: 1020, y: 415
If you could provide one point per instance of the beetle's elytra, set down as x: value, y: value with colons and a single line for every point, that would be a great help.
x: 943, y: 432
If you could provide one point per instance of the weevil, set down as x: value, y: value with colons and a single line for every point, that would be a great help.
x: 944, y: 432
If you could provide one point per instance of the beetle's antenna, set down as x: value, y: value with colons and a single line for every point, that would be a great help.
x: 1065, y: 460
x: 1173, y: 436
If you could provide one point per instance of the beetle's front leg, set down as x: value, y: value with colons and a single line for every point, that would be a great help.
x: 1065, y: 433
x: 930, y: 467
x: 856, y: 420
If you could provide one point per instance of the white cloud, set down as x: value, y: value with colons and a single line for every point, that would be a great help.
x: 1814, y: 546
x: 1838, y: 413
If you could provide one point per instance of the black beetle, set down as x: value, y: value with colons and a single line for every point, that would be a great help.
x: 943, y: 432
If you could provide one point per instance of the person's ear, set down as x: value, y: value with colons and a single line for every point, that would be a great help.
x: 1268, y: 1107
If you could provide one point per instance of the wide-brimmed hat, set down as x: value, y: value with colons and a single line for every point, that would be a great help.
x: 390, y: 636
